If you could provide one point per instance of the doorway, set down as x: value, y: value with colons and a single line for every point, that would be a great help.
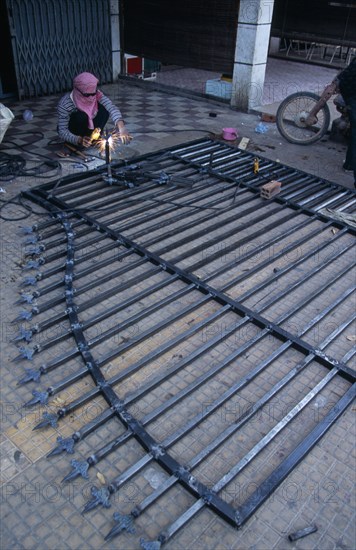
x: 8, y: 85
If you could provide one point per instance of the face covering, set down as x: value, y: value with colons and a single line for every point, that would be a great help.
x: 86, y: 83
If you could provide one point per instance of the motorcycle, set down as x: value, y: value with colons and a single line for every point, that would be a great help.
x: 304, y: 117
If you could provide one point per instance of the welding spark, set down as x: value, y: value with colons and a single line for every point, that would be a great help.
x: 107, y: 144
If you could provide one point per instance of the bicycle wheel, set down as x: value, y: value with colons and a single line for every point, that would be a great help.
x: 291, y: 116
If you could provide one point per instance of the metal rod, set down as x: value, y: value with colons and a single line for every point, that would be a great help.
x: 187, y: 516
x: 207, y: 217
x: 261, y: 248
x: 116, y: 442
x: 112, y: 331
x: 110, y: 396
x: 93, y: 393
x: 136, y: 366
x: 284, y: 251
x: 113, y: 445
x: 240, y: 516
x: 176, y: 436
x: 158, y: 452
x: 200, y: 284
x: 276, y: 478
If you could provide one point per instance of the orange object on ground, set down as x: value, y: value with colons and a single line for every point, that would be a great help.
x: 270, y: 189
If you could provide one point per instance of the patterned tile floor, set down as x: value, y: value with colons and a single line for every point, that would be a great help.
x: 158, y: 119
x: 39, y: 513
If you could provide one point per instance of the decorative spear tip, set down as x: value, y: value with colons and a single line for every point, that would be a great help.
x: 124, y: 523
x: 79, y: 468
x: 38, y: 397
x: 150, y: 545
x: 49, y: 419
x: 64, y: 444
x: 100, y: 497
x: 31, y: 375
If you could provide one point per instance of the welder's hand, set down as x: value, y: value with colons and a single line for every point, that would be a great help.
x: 125, y: 136
x: 85, y: 141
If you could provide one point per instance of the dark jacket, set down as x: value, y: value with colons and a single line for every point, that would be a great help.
x: 347, y: 81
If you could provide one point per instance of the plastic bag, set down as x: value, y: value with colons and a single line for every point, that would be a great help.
x: 261, y: 128
x: 6, y: 117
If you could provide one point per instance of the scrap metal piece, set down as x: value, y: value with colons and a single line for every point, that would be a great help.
x: 244, y: 143
x: 302, y: 533
x: 124, y: 523
x: 345, y: 217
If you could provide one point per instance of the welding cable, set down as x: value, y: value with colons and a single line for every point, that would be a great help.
x: 14, y: 201
x: 12, y: 166
x: 18, y: 200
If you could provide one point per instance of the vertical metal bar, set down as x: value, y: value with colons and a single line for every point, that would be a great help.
x: 275, y: 479
x: 228, y: 432
x: 241, y: 515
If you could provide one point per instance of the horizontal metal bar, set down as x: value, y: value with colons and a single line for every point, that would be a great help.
x: 176, y: 436
x: 139, y: 364
x: 275, y: 479
x: 193, y: 510
x: 220, y: 296
x: 224, y: 299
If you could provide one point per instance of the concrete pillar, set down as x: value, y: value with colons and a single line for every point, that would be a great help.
x: 115, y: 38
x: 252, y: 43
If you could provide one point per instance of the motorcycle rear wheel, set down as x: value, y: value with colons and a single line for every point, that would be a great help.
x: 291, y: 115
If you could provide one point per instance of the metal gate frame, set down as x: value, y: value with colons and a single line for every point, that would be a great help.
x: 302, y: 194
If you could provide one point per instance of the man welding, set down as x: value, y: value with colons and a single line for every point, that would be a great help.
x: 86, y: 109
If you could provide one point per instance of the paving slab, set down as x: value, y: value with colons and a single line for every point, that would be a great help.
x: 37, y: 509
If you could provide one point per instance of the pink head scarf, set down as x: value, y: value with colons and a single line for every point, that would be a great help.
x: 87, y: 84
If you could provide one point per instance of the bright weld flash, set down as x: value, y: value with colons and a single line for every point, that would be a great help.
x: 107, y: 144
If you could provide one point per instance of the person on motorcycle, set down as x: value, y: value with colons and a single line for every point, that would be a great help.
x: 346, y: 80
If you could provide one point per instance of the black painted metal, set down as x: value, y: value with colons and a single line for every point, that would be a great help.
x: 269, y: 485
x: 220, y: 297
x: 227, y: 171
